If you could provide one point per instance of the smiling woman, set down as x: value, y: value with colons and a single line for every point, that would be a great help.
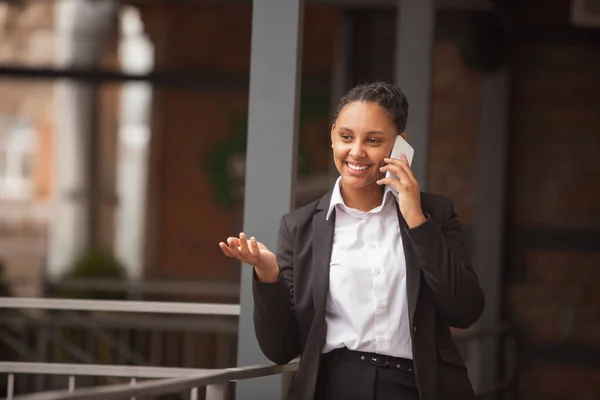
x: 358, y: 149
x: 362, y: 137
x: 367, y: 280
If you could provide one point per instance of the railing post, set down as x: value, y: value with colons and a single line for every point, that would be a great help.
x: 217, y: 391
x: 10, y: 388
x: 71, y: 383
x: 132, y: 383
x: 286, y: 380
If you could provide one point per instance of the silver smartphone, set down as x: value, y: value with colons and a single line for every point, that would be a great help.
x: 401, y: 146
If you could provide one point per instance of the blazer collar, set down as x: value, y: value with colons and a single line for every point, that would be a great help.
x: 322, y: 244
x: 323, y: 203
x: 337, y: 199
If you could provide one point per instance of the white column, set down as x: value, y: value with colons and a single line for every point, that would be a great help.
x: 80, y: 29
x: 136, y: 55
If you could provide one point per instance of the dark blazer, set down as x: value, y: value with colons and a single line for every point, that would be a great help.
x: 442, y: 291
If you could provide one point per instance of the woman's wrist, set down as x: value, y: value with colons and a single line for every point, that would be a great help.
x: 267, y: 273
x: 415, y: 220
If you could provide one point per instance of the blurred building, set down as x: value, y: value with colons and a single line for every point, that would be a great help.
x: 152, y: 169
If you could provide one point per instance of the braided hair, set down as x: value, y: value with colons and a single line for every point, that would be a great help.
x: 387, y: 95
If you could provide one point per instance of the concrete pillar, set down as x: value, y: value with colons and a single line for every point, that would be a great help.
x: 414, y: 47
x: 492, y: 148
x: 272, y: 141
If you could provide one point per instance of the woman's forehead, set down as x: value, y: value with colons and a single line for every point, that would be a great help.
x: 364, y: 116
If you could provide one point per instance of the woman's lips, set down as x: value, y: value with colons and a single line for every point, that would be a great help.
x: 356, y: 172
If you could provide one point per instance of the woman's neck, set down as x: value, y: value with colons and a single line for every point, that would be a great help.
x: 363, y: 199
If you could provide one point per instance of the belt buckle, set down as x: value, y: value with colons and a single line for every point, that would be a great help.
x: 379, y: 361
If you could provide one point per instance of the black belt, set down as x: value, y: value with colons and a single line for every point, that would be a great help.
x: 378, y: 360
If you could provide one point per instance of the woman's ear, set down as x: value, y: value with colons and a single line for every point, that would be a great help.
x: 403, y: 134
x: 332, y: 130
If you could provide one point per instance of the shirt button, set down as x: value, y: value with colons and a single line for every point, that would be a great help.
x: 414, y: 329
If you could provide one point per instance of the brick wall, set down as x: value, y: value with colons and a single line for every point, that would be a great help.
x: 553, y: 220
x: 190, y: 125
x: 187, y: 216
x: 454, y: 123
x: 554, y: 193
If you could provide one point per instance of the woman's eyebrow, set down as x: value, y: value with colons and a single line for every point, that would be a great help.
x: 375, y: 132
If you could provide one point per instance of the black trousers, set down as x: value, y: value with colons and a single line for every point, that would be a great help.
x: 342, y: 379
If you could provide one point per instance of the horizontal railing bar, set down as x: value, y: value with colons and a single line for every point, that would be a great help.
x: 117, y: 371
x: 164, y: 386
x: 209, y: 323
x: 220, y: 289
x: 121, y: 306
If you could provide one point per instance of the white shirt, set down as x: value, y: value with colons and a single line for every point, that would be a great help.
x: 367, y: 307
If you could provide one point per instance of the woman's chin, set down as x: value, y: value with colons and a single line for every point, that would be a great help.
x: 355, y: 182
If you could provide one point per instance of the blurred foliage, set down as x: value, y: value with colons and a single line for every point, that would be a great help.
x: 95, y: 263
x: 313, y: 106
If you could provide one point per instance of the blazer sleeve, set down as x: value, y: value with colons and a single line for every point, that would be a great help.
x: 447, y: 269
x: 275, y: 322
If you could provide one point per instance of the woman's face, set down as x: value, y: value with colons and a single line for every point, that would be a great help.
x: 362, y: 136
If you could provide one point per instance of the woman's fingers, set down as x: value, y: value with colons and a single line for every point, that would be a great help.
x: 395, y: 183
x: 225, y: 249
x: 254, y: 250
x: 244, y: 250
x: 401, y: 169
x: 233, y: 244
x: 397, y: 167
x: 241, y: 248
x: 407, y: 170
x: 398, y: 182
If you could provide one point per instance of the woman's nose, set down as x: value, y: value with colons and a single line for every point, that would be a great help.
x: 357, y: 150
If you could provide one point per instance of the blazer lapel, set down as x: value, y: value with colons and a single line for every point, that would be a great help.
x: 322, y: 243
x: 413, y: 271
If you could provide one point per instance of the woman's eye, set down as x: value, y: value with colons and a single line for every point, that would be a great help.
x: 345, y: 137
x: 373, y: 141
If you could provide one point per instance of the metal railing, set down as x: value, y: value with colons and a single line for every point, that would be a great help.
x: 103, y: 323
x: 72, y: 371
x: 145, y: 287
x: 173, y: 380
x: 154, y: 307
x: 179, y: 380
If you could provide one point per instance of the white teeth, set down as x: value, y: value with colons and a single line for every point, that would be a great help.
x: 357, y: 167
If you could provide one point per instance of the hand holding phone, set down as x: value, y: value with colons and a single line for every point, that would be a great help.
x: 401, y: 146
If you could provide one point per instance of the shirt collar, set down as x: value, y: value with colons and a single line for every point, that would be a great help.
x: 337, y: 199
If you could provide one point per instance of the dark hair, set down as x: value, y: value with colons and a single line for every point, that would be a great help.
x: 387, y: 95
